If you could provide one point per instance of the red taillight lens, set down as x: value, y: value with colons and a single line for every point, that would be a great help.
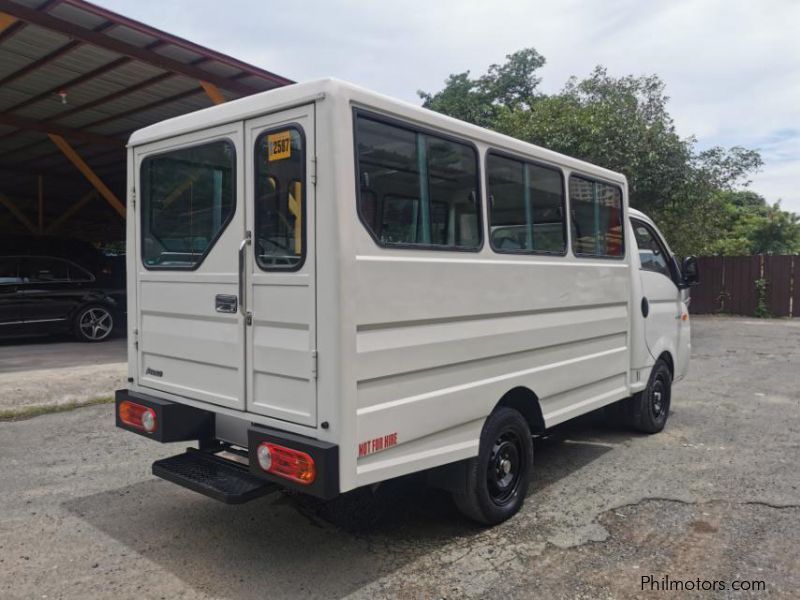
x: 285, y: 462
x: 138, y: 416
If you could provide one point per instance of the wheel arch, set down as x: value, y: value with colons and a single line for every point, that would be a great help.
x: 666, y: 356
x: 526, y: 402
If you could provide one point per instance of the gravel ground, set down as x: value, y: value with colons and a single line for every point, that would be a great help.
x: 45, y: 371
x: 715, y: 496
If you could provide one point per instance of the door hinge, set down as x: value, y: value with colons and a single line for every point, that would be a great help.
x: 314, y: 362
x: 133, y: 198
x: 248, y: 318
x: 313, y: 175
x: 136, y: 339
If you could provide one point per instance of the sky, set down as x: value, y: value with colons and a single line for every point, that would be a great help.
x: 731, y: 67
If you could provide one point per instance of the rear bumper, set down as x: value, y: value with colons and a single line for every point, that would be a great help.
x: 182, y: 423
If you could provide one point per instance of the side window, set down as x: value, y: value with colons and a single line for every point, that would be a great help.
x: 188, y: 198
x: 526, y: 207
x: 35, y: 269
x: 596, y: 210
x: 417, y: 189
x: 9, y: 270
x: 279, y: 234
x: 651, y: 252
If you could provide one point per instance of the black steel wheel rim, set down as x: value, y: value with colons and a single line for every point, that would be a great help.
x: 506, y: 465
x: 659, y: 398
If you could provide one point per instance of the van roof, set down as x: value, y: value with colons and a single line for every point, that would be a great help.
x: 301, y: 93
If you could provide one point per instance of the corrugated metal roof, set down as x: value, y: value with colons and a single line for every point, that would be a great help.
x: 118, y: 75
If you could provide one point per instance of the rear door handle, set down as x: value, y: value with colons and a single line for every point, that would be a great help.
x: 242, y: 263
x: 226, y: 303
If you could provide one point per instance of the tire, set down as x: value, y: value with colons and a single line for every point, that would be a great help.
x: 94, y: 323
x: 649, y: 409
x: 497, y: 480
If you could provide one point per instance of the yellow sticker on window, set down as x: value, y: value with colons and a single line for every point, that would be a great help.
x: 279, y: 146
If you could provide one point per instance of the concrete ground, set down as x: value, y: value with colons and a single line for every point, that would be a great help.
x: 716, y: 496
x: 53, y: 370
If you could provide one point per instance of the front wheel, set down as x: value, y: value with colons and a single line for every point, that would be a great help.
x: 497, y: 480
x: 94, y: 323
x: 649, y: 409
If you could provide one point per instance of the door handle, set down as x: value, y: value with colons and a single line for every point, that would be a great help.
x: 645, y: 307
x: 225, y: 303
x: 242, y: 263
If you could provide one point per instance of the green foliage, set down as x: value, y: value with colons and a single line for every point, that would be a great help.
x: 762, y: 308
x: 623, y: 124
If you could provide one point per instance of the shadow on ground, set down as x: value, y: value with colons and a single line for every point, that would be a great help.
x: 287, y: 544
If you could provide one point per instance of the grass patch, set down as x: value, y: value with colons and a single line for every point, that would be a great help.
x: 29, y: 412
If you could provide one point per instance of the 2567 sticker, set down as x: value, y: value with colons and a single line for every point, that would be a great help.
x: 279, y: 146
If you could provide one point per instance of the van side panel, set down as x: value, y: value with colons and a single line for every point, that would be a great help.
x: 439, y: 340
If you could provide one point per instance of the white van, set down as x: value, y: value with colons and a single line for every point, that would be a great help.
x: 328, y: 288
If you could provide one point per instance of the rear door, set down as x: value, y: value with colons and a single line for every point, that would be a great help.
x: 280, y: 299
x: 190, y: 224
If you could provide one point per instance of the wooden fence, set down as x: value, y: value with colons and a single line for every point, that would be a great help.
x: 728, y: 284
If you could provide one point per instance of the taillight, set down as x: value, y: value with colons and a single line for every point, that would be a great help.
x: 138, y: 416
x: 285, y: 462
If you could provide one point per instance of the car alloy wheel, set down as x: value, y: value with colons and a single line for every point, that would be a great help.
x: 96, y: 323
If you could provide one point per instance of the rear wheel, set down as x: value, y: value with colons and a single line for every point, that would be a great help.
x: 497, y: 480
x: 94, y: 323
x: 649, y: 409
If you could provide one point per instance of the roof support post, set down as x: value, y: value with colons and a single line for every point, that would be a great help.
x: 212, y: 92
x: 87, y: 172
x: 9, y: 204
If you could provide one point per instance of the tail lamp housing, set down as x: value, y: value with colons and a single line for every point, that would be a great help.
x: 138, y: 416
x: 287, y: 463
x: 161, y: 420
x: 294, y: 461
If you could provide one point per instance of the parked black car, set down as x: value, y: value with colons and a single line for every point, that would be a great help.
x: 44, y: 290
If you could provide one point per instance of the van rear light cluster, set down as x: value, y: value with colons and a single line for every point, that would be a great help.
x: 284, y: 462
x: 138, y: 416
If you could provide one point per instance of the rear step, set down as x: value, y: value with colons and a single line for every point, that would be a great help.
x: 212, y: 476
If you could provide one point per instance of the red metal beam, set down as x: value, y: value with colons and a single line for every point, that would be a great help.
x: 82, y: 34
x: 48, y: 58
x: 8, y: 32
x: 145, y: 107
x: 178, y: 41
x: 67, y: 132
x: 48, y: 93
x: 115, y: 96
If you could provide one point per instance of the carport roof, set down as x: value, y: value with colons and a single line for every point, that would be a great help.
x: 81, y: 73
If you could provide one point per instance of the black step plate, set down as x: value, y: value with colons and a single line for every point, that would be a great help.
x: 212, y: 476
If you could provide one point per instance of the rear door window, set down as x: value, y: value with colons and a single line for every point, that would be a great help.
x: 188, y: 198
x: 280, y: 198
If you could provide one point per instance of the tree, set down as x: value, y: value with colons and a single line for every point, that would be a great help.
x: 622, y: 123
x: 510, y: 85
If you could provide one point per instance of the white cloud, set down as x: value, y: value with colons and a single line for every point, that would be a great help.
x: 732, y: 67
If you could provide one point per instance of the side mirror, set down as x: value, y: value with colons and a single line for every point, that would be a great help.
x: 690, y: 272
